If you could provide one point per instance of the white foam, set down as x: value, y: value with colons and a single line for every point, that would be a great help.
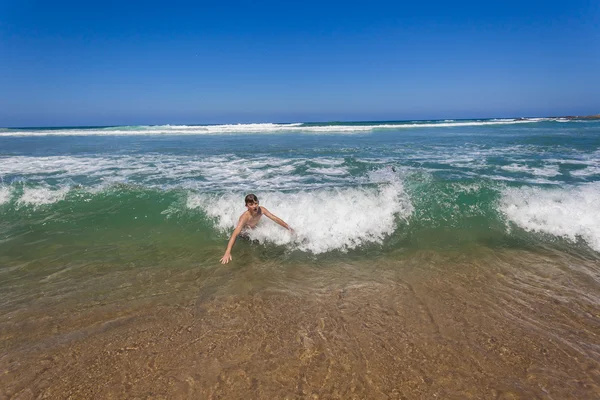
x: 262, y: 128
x: 592, y: 162
x: 328, y: 171
x: 588, y: 171
x: 59, y: 166
x: 547, y: 170
x: 328, y: 161
x: 5, y: 194
x: 192, y: 172
x: 323, y: 220
x: 571, y: 212
x: 37, y: 196
x: 255, y: 173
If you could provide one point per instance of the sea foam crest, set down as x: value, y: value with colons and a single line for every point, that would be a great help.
x: 5, y: 195
x: 38, y: 196
x: 570, y: 213
x: 323, y: 219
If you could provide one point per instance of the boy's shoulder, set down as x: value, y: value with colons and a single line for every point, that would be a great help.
x: 245, y: 214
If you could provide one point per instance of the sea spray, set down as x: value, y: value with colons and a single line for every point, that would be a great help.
x: 323, y: 220
x: 38, y: 196
x: 5, y: 194
x: 568, y: 212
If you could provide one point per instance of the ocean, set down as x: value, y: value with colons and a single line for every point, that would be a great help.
x: 450, y: 258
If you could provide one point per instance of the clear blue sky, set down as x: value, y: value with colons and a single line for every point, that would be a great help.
x: 145, y: 62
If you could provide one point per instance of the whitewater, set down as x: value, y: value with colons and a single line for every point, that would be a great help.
x: 363, y: 186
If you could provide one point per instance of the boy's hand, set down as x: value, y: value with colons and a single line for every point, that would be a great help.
x: 226, y: 258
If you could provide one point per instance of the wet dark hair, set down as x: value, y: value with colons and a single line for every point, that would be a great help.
x: 251, y: 198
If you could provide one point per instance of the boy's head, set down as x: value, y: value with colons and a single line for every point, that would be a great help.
x: 251, y: 199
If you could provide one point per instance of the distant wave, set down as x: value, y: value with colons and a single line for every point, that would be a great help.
x: 264, y: 128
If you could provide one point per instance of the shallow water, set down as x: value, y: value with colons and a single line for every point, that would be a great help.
x: 487, y: 324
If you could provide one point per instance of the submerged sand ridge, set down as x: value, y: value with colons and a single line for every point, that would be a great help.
x: 503, y: 324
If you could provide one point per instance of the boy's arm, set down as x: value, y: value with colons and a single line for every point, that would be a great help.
x: 276, y: 219
x: 242, y: 221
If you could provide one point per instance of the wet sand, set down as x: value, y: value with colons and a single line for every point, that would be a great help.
x: 493, y: 325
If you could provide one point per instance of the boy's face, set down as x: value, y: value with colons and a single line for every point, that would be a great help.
x: 252, y: 206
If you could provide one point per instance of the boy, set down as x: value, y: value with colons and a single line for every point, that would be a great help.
x: 249, y: 219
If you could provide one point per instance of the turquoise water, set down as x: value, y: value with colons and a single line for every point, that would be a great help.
x: 345, y: 188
